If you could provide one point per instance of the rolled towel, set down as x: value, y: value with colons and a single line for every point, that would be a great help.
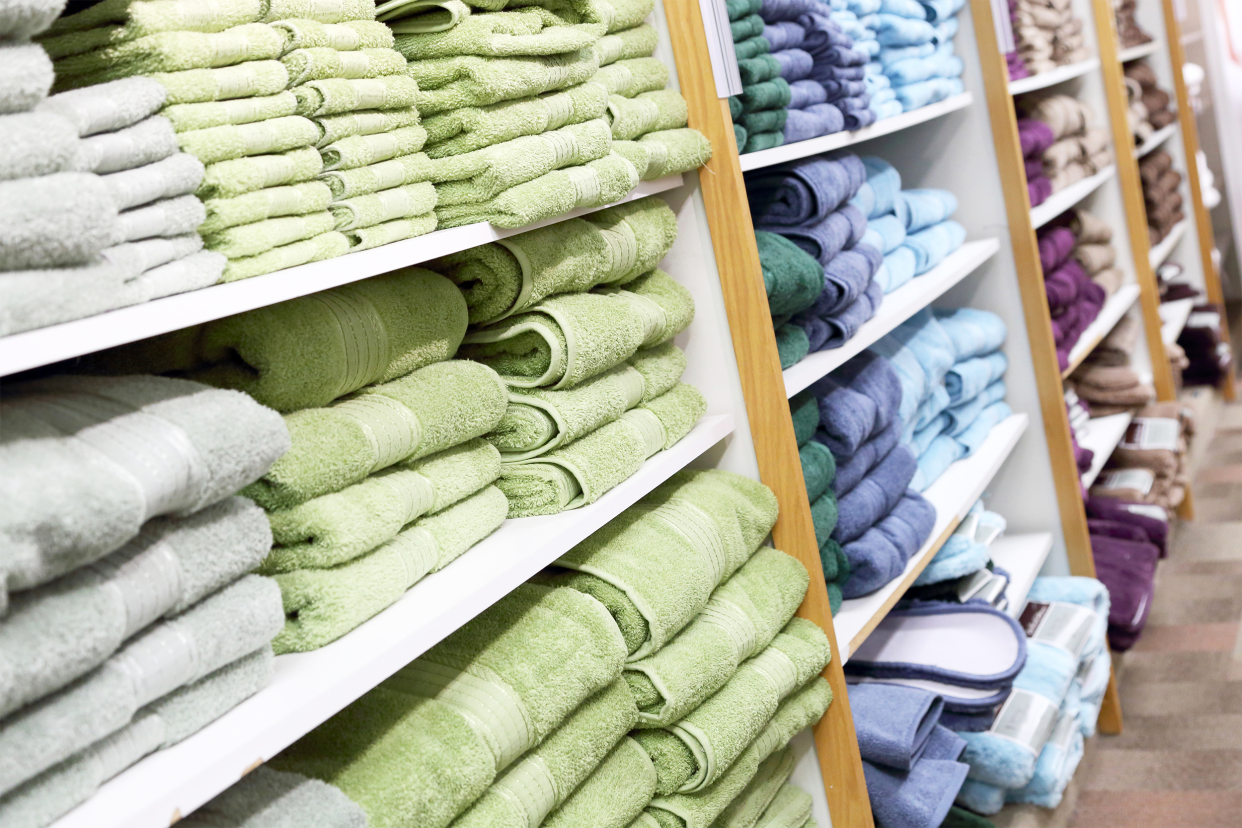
x: 420, y: 747
x: 853, y: 468
x: 469, y: 80
x: 39, y: 143
x: 881, y: 553
x: 857, y: 401
x: 27, y: 73
x: 967, y: 378
x: 792, y: 278
x: 55, y: 220
x: 760, y: 793
x: 226, y: 179
x: 173, y: 51
x: 805, y: 192
x: 266, y: 798
x: 790, y: 808
x: 804, y: 411
x: 217, y: 631
x: 836, y: 329
x: 613, y: 795
x: 378, y: 235
x: 321, y: 605
x: 875, y: 496
x: 818, y: 468
x: 792, y: 344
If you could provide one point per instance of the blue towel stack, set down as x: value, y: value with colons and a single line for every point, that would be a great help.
x: 962, y: 569
x: 916, y: 50
x: 839, y: 63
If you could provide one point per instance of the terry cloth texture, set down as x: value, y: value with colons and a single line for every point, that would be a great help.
x: 266, y: 798
x: 613, y: 795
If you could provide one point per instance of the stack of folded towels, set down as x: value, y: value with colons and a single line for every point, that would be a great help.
x: 1093, y: 249
x: 591, y: 697
x: 1210, y: 357
x: 127, y: 618
x: 1079, y: 414
x: 1079, y: 149
x: 841, y: 45
x: 1149, y: 464
x: 1014, y: 63
x: 1105, y: 379
x: 1161, y: 194
x: 1034, y: 137
x: 916, y: 50
x: 819, y: 472
x: 1076, y: 257
x: 1149, y: 104
x: 577, y: 319
x: 962, y: 569
x: 1129, y: 33
x: 760, y: 112
x: 1048, y: 35
x: 1128, y: 538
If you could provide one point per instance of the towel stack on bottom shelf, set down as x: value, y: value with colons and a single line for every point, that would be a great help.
x: 1128, y: 537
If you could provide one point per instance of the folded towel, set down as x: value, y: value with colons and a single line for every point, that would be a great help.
x: 446, y: 83
x: 841, y: 326
x: 324, y: 246
x: 882, y: 552
x: 333, y: 128
x: 143, y: 143
x: 252, y: 79
x: 856, y: 401
x: 176, y: 175
x: 323, y: 63
x: 301, y: 32
x: 250, y: 240
x: 850, y: 469
x: 613, y: 795
x: 27, y: 73
x: 226, y: 179
x: 919, y: 797
x: 224, y: 143
x: 497, y: 35
x: 804, y: 192
x: 973, y: 332
x: 22, y: 19
x: 792, y: 278
x: 804, y: 411
x: 335, y: 96
x: 429, y: 410
x: 647, y: 112
x: 893, y: 722
x: 812, y: 122
x: 362, y: 179
x: 665, y: 152
x: 55, y: 220
x: 967, y: 378
x: 792, y: 344
x: 633, y: 77
x: 271, y: 202
x: 406, y: 201
x: 173, y: 51
x: 875, y: 496
x: 932, y: 245
x: 818, y: 468
x: 39, y: 143
x: 167, y: 217
x: 266, y: 798
x: 919, y: 353
x: 191, y: 16
x: 418, y: 750
x: 1055, y: 766
x: 748, y: 808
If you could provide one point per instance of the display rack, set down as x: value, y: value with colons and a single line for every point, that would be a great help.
x: 1022, y: 556
x: 1059, y: 75
x: 1102, y: 435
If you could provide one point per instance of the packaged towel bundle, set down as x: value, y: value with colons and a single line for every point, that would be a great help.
x: 961, y: 570
x: 1154, y: 443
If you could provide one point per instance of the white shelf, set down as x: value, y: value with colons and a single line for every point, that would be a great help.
x: 1101, y: 435
x: 1062, y: 200
x: 1154, y: 140
x: 1173, y: 316
x: 31, y: 349
x: 1162, y: 251
x: 952, y: 494
x: 1059, y: 75
x: 1022, y: 556
x: 897, y: 307
x: 310, y: 687
x: 1114, y: 308
x: 837, y: 140
x: 1140, y: 51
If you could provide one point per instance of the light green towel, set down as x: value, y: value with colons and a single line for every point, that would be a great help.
x: 483, y: 174
x: 474, y: 127
x: 335, y: 127
x: 424, y: 15
x: 258, y: 78
x: 667, y: 152
x: 469, y: 80
x: 111, y: 22
x: 438, y: 15
x: 349, y: 36
x: 197, y: 116
x: 324, y: 246
x: 700, y: 809
x: 224, y: 143
x: 172, y: 52
x: 611, y: 246
x: 364, y: 150
x: 790, y: 809
x: 322, y: 63
x: 524, y: 795
x: 321, y: 605
x: 629, y: 78
x: 613, y: 795
x: 748, y: 808
x: 423, y: 745
x: 395, y: 172
x: 338, y: 527
x: 262, y: 236
x: 637, y: 42
x: 696, y: 751
x: 743, y: 616
x: 335, y: 96
x: 265, y: 798
x: 583, y: 471
x: 615, y: 14
x: 429, y: 410
x: 575, y: 336
x: 226, y: 179
x: 503, y: 34
x: 406, y: 201
x: 293, y: 200
x: 650, y: 111
x: 337, y: 11
x: 656, y: 565
x: 539, y: 420
x: 377, y: 235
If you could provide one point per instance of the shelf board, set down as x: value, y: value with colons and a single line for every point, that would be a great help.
x: 1102, y: 435
x: 308, y: 688
x: 1173, y: 316
x: 896, y: 308
x: 31, y: 349
x: 1114, y: 308
x: 1022, y: 556
x: 1140, y: 51
x: 952, y: 495
x: 1154, y: 140
x: 837, y: 140
x: 1161, y: 252
x: 1062, y: 200
x: 1059, y: 75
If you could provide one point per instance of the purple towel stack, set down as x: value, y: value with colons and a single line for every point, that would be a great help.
x: 1125, y: 555
x: 1209, y: 355
x: 1035, y: 137
x: 1073, y: 299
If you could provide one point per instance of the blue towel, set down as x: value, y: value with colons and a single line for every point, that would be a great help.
x: 804, y: 191
x: 946, y: 30
x: 878, y: 195
x: 824, y: 72
x: 1055, y: 766
x: 887, y: 109
x: 890, y: 232
x: 826, y: 239
x: 1085, y: 592
x: 863, y: 6
x: 842, y: 56
x: 914, y: 70
x: 812, y: 122
x: 892, y: 30
x: 875, y: 495
x: 795, y: 64
x: 974, y: 332
x: 896, y: 54
x: 846, y: 277
x: 918, y: 798
x: 904, y: 8
x: 920, y: 353
x: 961, y: 416
x: 944, y: 744
x: 857, y: 400
x: 842, y: 325
x: 931, y: 407
x: 959, y: 556
x: 893, y: 722
x: 933, y: 462
x: 967, y: 378
x: 854, y: 105
x: 784, y: 34
x: 822, y: 32
x: 876, y: 79
x: 932, y: 245
x: 854, y: 467
x: 883, y: 551
x: 966, y: 722
x: 977, y: 432
x: 925, y: 436
x: 940, y: 9
x: 838, y: 89
x: 869, y: 47
x: 916, y: 95
x: 923, y: 208
x: 899, y: 267
x: 981, y: 797
x: 773, y: 10
x: 806, y: 93
x: 858, y: 118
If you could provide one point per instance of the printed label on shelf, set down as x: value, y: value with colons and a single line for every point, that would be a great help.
x: 1062, y: 625
x: 1152, y: 433
x: 1150, y: 510
x: 1026, y: 718
x: 1140, y: 480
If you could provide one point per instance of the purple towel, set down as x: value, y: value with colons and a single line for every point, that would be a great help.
x: 1128, y: 569
x: 1034, y: 168
x: 845, y: 278
x: 806, y: 93
x: 1017, y: 67
x: 826, y: 72
x: 804, y: 191
x: 1142, y: 515
x: 1035, y: 137
x: 812, y: 122
x: 1055, y: 246
x: 784, y: 34
x: 1039, y: 189
x: 1063, y: 284
x: 822, y: 33
x: 838, y: 89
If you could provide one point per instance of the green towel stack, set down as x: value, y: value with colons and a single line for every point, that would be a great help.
x: 819, y: 468
x: 759, y: 112
x: 793, y: 280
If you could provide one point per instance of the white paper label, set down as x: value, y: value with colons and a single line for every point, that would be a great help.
x: 1062, y: 625
x: 1140, y: 480
x: 1152, y: 433
x: 1203, y: 319
x: 1027, y: 719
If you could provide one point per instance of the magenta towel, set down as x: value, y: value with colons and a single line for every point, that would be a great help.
x: 1034, y: 136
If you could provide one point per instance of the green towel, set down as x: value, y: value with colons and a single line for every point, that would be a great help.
x: 350, y: 36
x: 324, y: 246
x: 961, y: 818
x: 119, y: 21
x: 666, y: 152
x: 737, y: 9
x: 701, y: 808
x: 500, y: 34
x: 611, y: 246
x: 650, y: 111
x: 425, y: 15
x: 483, y: 174
x: 572, y: 337
x: 333, y: 128
x: 615, y: 14
x: 321, y: 605
x: 695, y: 752
x: 262, y: 236
x: 636, y: 42
x: 190, y: 117
x: 469, y: 80
x: 743, y: 616
x: 433, y: 408
x: 759, y: 141
x: 804, y: 409
x: 581, y: 472
x: 746, y: 27
x: 524, y: 795
x: 772, y: 94
x: 226, y: 179
x: 423, y: 745
x: 258, y: 78
x: 170, y: 52
x: 339, y: 95
x: 824, y: 516
x: 769, y: 120
x: 293, y: 200
x: 338, y: 527
x: 748, y: 808
x: 739, y: 136
x: 377, y: 235
x: 613, y: 795
x: 471, y: 128
x: 395, y: 172
x: 323, y: 63
x: 790, y: 809
x: 358, y: 151
x: 819, y: 468
x: 752, y: 47
x: 792, y: 277
x: 656, y: 564
x: 832, y: 558
x: 396, y: 203
x: 792, y: 344
x: 758, y: 69
x: 629, y: 78
x: 539, y: 420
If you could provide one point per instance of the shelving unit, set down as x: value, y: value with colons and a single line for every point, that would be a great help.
x: 1022, y: 556
x: 1059, y: 75
x: 1140, y: 51
x: 1103, y: 435
x: 1160, y: 253
x: 1174, y: 315
x: 1114, y: 308
x: 1155, y: 140
x: 1064, y: 199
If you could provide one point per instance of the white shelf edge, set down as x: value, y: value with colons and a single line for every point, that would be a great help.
x: 1154, y: 140
x: 1102, y: 436
x: 1140, y: 51
x: 1059, y: 75
x: 896, y: 308
x: 308, y: 688
x: 1061, y: 201
x: 44, y: 346
x: 1022, y: 556
x: 952, y: 494
x: 837, y: 140
x: 1173, y: 316
x: 1161, y: 252
x: 1114, y: 308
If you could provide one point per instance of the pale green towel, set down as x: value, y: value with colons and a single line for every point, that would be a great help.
x: 790, y: 809
x: 406, y: 201
x: 469, y: 80
x: 239, y: 176
x: 266, y: 798
x: 347, y: 124
x: 335, y: 96
x: 262, y: 236
x: 195, y: 116
x: 425, y: 15
x: 650, y: 111
x: 748, y: 808
x: 224, y: 143
x: 613, y: 795
x: 171, y: 52
x: 471, y: 128
x: 344, y: 37
x: 483, y: 174
x: 395, y: 172
x: 658, y: 154
x: 365, y: 238
x: 502, y: 34
x: 110, y: 23
x: 364, y: 150
x: 610, y: 246
x: 322, y: 63
x: 324, y: 246
x: 627, y: 44
x: 292, y: 200
x: 337, y: 11
x: 257, y: 78
x: 629, y: 78
x: 321, y: 605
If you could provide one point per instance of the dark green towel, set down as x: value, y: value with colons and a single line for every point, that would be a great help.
x: 735, y: 107
x: 752, y: 47
x: 824, y: 515
x: 792, y: 343
x: 758, y: 69
x: 773, y: 94
x: 792, y: 278
x: 961, y: 818
x: 749, y: 26
x: 836, y: 571
x: 805, y: 411
x: 818, y: 468
x: 758, y: 141
x: 770, y: 120
x: 737, y: 9
x: 739, y: 135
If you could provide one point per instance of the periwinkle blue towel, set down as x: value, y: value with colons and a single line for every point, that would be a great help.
x: 857, y: 400
x: 899, y: 267
x: 918, y: 798
x: 943, y: 743
x: 892, y: 30
x: 961, y: 416
x: 943, y: 452
x: 795, y: 64
x: 806, y: 93
x: 926, y: 207
x: 843, y: 56
x: 904, y: 8
x: 967, y: 378
x: 854, y: 105
x: 916, y: 95
x: 784, y: 34
x: 804, y: 191
x: 978, y: 431
x: 882, y: 553
x: 919, y: 352
x: 974, y: 332
x: 931, y: 245
x: 878, y: 195
x: 875, y: 495
x: 845, y: 278
x: 924, y: 436
x: 859, y: 118
x: 774, y: 10
x: 966, y: 722
x: 813, y: 121
x: 838, y: 89
x: 854, y: 467
x: 938, y: 10
x: 826, y: 239
x: 896, y: 54
x: 816, y: 330
x: 843, y: 324
x: 825, y: 72
x: 822, y: 33
x: 893, y: 722
x: 931, y: 406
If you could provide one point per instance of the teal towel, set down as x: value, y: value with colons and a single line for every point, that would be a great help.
x: 335, y: 96
x: 583, y: 471
x: 743, y: 616
x: 300, y: 32
x: 498, y: 35
x: 631, y: 118
x: 629, y: 78
x: 266, y: 798
x: 321, y: 605
x: 570, y: 338
x: 316, y: 249
x: 667, y: 152
x: 792, y: 344
x: 333, y: 128
x: 469, y: 80
x: 323, y: 63
x: 257, y: 78
x: 436, y: 407
x: 819, y: 468
x: 792, y: 277
x: 224, y: 143
x: 804, y: 409
x: 613, y: 795
x: 384, y: 175
x: 656, y: 565
x: 425, y: 744
x: 225, y: 179
x: 292, y: 200
x: 824, y: 515
x: 751, y: 804
x: 402, y: 202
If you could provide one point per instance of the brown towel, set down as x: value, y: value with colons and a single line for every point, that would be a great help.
x: 1111, y: 385
x: 1089, y: 229
x: 1095, y: 257
x: 1109, y: 279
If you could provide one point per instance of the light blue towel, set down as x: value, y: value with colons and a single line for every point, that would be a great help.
x: 931, y: 407
x: 904, y: 8
x: 878, y: 195
x: 914, y: 70
x: 892, y: 30
x: 1055, y: 766
x: 878, y: 82
x: 946, y: 30
x: 899, y: 267
x: 974, y: 332
x: 981, y: 797
x: 920, y: 353
x: 885, y: 233
x: 961, y: 555
x: 861, y: 7
x: 967, y: 378
x: 916, y: 95
x: 897, y: 54
x: 926, y: 207
x: 924, y: 436
x: 961, y: 416
x: 941, y: 454
x: 931, y: 245
x: 938, y: 10
x: 978, y: 431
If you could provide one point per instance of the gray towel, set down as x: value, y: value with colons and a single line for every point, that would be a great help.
x: 23, y: 19
x: 26, y: 73
x: 166, y: 217
x: 146, y: 142
x: 141, y: 447
x: 159, y: 725
x: 36, y: 143
x: 266, y: 798
x: 54, y: 221
x: 217, y: 631
x: 108, y: 107
x: 59, y: 631
x: 175, y: 175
